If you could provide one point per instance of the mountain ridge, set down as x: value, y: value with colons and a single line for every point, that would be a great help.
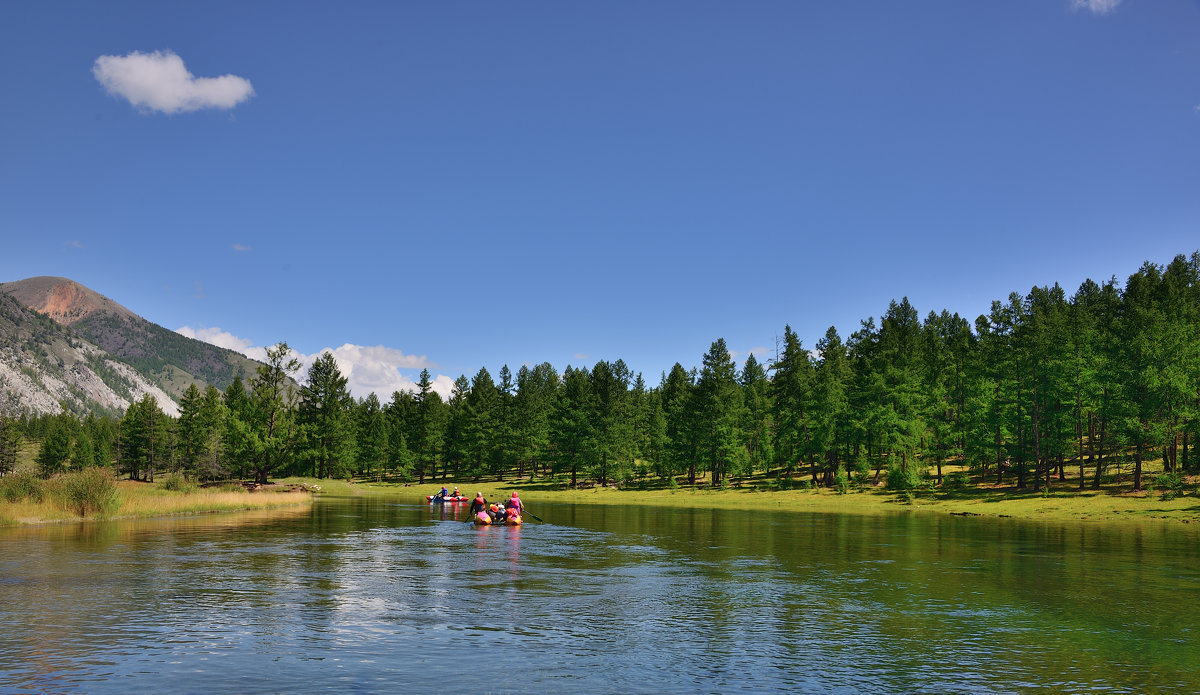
x: 64, y: 345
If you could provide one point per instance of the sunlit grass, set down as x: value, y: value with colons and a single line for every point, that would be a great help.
x: 1064, y: 502
x: 137, y: 500
x: 141, y: 500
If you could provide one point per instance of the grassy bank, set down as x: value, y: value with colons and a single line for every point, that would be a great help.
x: 1062, y: 503
x: 25, y: 499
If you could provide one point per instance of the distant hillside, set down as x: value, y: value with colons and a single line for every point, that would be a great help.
x: 46, y: 367
x: 167, y: 360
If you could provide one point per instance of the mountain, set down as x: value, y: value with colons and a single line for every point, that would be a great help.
x: 65, y: 345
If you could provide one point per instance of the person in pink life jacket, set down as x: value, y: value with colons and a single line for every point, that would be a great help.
x: 514, y: 502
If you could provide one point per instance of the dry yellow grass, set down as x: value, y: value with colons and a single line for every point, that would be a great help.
x: 139, y: 500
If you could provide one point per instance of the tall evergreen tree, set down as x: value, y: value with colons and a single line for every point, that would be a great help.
x: 273, y: 401
x: 720, y: 415
x: 325, y: 418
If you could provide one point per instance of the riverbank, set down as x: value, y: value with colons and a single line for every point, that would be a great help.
x: 133, y: 499
x: 1060, y: 504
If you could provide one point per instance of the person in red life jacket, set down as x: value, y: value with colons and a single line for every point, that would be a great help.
x: 478, y: 504
x: 513, y: 513
x: 497, y: 513
x: 514, y: 502
x: 456, y: 494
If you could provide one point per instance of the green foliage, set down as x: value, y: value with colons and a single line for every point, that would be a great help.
x: 16, y: 487
x: 91, y: 491
x: 177, y: 481
x: 958, y: 480
x: 55, y: 450
x: 841, y: 481
x: 1171, y: 484
x: 903, y: 479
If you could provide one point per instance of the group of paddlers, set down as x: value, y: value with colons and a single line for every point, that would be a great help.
x: 508, y: 513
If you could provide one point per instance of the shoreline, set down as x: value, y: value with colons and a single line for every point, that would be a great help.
x: 1059, y: 505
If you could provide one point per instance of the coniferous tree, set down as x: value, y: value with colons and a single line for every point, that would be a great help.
x: 325, y: 419
x: 455, y: 445
x: 791, y: 393
x: 680, y: 446
x: 831, y: 380
x: 575, y: 444
x: 480, y: 424
x: 537, y: 394
x: 55, y: 450
x: 273, y: 400
x: 719, y: 410
x: 429, y: 425
x: 757, y: 423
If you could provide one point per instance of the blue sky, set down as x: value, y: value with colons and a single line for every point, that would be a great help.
x: 464, y: 184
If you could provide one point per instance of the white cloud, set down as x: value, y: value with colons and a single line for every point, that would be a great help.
x: 1097, y: 6
x: 241, y: 247
x: 158, y: 81
x: 367, y: 368
x: 76, y: 244
x: 217, y: 337
x: 759, y: 353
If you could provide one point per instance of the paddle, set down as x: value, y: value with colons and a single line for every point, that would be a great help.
x: 525, y: 510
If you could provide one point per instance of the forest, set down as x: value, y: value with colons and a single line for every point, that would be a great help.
x: 1043, y: 389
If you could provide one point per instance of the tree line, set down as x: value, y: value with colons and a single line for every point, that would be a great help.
x: 1042, y: 387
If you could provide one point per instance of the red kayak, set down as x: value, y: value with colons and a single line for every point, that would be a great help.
x: 438, y: 500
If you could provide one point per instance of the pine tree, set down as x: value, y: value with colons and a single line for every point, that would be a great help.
x: 273, y: 401
x: 719, y: 409
x: 325, y: 418
x: 575, y: 441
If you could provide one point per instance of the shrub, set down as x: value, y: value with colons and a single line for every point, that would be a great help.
x: 904, y: 480
x: 958, y: 480
x: 1170, y: 483
x: 92, y: 490
x: 841, y: 481
x: 22, y: 486
x: 178, y: 482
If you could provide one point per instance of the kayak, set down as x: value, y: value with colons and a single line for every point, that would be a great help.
x: 482, y: 519
x: 438, y: 500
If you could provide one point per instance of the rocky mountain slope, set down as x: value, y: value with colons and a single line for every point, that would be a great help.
x: 65, y: 345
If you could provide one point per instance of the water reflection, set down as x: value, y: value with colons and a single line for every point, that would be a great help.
x: 374, y: 594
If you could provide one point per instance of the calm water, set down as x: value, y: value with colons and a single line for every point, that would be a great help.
x: 378, y: 595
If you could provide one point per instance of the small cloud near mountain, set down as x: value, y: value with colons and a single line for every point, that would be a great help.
x: 367, y: 368
x: 159, y: 81
x: 1096, y: 6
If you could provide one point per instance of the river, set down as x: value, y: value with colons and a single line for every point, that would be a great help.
x: 382, y: 594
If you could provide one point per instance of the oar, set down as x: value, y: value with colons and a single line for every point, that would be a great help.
x: 525, y: 510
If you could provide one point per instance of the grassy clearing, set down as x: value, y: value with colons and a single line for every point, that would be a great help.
x: 145, y: 500
x: 1064, y: 502
x: 25, y: 499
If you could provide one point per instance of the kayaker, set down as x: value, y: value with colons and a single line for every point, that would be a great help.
x: 514, y: 502
x: 497, y: 513
x: 479, y: 504
x: 441, y: 495
x: 456, y: 492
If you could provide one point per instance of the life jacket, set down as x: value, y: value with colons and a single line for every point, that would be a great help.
x: 513, y: 512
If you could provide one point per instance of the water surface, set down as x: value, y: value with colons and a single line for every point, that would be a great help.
x: 378, y: 595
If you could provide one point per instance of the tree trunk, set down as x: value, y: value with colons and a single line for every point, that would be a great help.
x: 1137, y: 466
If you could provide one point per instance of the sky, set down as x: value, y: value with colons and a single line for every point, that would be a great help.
x: 457, y: 185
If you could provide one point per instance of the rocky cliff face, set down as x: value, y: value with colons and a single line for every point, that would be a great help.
x: 65, y: 345
x: 45, y: 368
x: 65, y: 301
